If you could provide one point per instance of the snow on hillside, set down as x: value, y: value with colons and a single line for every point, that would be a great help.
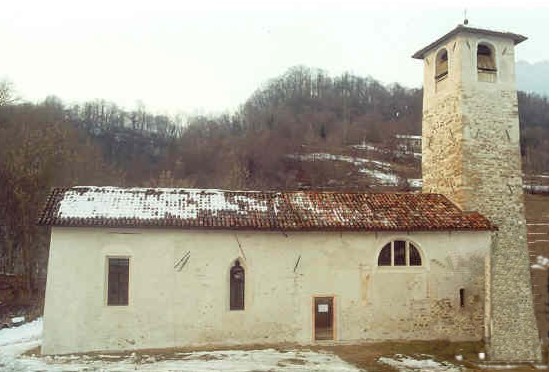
x: 533, y: 77
x: 380, y: 172
x: 349, y: 159
x: 381, y: 177
x: 365, y: 147
x: 402, y: 150
x: 542, y: 263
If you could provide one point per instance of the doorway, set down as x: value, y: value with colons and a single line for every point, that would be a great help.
x: 323, y: 318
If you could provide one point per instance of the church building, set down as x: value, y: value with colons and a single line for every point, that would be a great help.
x: 139, y: 268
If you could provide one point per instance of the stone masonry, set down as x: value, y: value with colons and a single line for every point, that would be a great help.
x: 471, y: 154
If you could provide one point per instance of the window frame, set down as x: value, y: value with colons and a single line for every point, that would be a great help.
x: 407, y: 256
x: 120, y: 301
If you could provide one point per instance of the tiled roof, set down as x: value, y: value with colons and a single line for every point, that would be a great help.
x: 255, y: 210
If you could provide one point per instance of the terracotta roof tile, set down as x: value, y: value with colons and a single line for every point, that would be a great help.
x: 255, y: 210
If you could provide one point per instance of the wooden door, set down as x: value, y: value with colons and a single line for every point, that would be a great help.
x: 323, y: 318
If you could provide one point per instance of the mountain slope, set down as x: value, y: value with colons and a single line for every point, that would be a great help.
x: 533, y: 77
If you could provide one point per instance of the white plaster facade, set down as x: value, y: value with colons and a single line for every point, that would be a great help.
x: 172, y: 308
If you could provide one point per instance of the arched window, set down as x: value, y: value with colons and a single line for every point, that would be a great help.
x: 399, y: 253
x: 485, y: 59
x: 441, y: 65
x: 237, y: 287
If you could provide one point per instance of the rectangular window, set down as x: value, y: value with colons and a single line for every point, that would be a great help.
x: 118, y: 282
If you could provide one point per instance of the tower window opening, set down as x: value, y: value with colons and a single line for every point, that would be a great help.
x: 485, y: 59
x: 441, y: 66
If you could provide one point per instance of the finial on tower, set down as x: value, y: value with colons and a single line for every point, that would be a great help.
x: 465, y: 17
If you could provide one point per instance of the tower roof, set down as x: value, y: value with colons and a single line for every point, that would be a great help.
x: 420, y: 54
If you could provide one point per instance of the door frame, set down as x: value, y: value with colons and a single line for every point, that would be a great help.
x: 334, y: 317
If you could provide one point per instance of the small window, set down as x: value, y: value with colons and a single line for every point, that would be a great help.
x: 118, y: 282
x: 485, y: 59
x: 441, y: 65
x: 462, y: 297
x: 399, y: 253
x: 237, y: 287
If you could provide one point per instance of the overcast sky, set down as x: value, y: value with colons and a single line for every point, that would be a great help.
x: 210, y: 56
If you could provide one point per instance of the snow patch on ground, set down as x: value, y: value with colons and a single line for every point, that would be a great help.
x: 320, y: 156
x: 404, y: 363
x: 542, y: 263
x: 365, y: 147
x: 408, y: 136
x: 15, y: 341
x: 228, y: 360
x: 380, y: 172
x: 402, y: 151
x: 382, y: 177
x: 415, y: 182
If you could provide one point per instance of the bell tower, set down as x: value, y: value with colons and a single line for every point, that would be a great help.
x: 471, y: 154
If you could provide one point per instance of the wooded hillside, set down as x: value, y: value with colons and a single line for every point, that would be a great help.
x: 260, y: 146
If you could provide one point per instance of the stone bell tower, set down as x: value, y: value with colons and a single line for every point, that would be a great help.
x: 471, y: 154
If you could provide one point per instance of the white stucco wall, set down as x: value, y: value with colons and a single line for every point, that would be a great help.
x: 169, y: 308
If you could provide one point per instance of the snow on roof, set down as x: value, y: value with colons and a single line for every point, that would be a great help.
x: 113, y: 202
x: 254, y: 210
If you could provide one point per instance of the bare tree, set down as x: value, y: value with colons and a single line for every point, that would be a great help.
x: 7, y: 95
